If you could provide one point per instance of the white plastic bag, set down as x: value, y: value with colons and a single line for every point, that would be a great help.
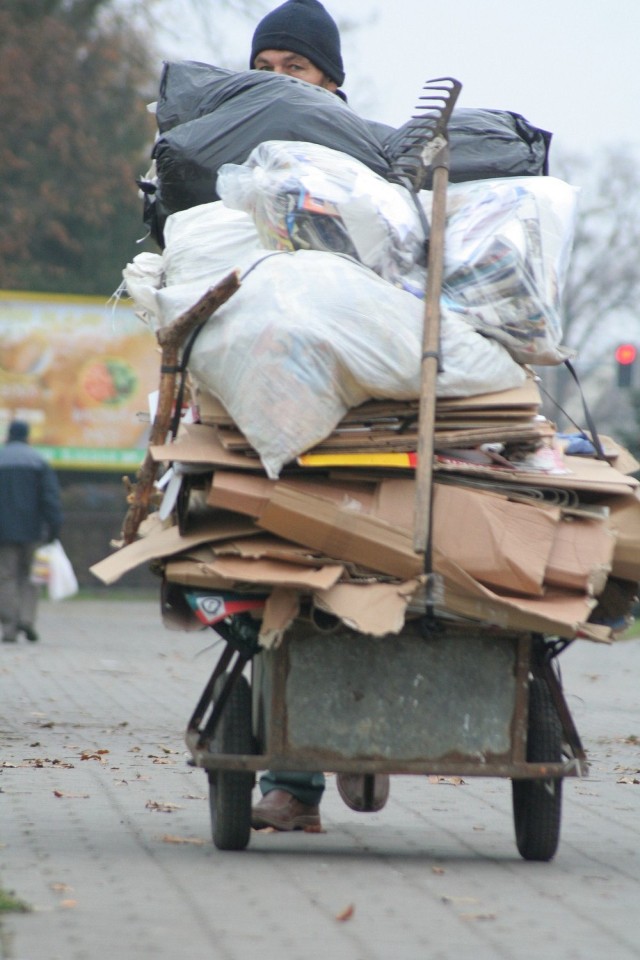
x: 143, y: 277
x: 507, y: 249
x: 309, y: 335
x: 39, y: 574
x: 304, y: 196
x: 202, y: 245
x: 53, y: 567
x: 207, y: 242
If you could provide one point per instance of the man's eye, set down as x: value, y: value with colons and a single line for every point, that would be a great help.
x: 266, y: 67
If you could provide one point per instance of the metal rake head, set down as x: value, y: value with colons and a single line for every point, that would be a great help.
x: 426, y: 133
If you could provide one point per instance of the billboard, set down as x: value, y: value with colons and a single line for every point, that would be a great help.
x: 79, y: 370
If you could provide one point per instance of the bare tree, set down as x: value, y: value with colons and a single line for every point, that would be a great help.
x: 602, y: 289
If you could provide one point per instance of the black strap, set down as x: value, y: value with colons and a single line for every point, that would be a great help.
x: 595, y: 439
x: 181, y: 369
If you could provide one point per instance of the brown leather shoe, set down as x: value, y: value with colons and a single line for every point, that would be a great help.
x: 364, y: 792
x: 282, y: 811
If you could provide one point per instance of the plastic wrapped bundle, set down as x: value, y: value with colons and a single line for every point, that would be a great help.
x: 303, y: 196
x: 309, y: 335
x: 507, y: 250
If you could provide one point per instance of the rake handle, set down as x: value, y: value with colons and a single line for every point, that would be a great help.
x: 430, y: 362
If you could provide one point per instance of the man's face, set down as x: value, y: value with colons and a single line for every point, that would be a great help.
x: 293, y: 65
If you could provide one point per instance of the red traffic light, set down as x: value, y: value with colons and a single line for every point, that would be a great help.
x: 626, y: 353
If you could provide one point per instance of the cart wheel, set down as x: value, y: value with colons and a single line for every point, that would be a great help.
x: 537, y: 804
x: 230, y: 791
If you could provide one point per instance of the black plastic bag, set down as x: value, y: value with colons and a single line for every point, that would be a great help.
x: 208, y: 116
x: 485, y: 144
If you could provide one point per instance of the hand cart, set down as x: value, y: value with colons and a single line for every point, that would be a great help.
x: 444, y: 697
x: 440, y: 698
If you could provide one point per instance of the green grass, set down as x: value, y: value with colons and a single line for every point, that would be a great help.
x: 10, y: 904
x: 116, y: 593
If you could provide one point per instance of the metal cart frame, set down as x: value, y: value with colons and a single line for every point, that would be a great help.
x: 440, y: 698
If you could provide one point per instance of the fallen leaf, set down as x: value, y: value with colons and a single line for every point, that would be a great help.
x: 478, y: 916
x: 346, y: 914
x: 73, y: 796
x: 61, y: 888
x: 193, y: 796
x: 438, y: 870
x: 627, y: 780
x: 167, y: 749
x: 159, y: 807
x: 94, y: 755
x: 46, y: 762
x: 453, y: 781
x: 459, y: 900
x: 167, y: 838
x: 68, y: 904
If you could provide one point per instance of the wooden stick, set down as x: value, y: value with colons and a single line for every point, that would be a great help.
x: 430, y: 357
x: 170, y: 339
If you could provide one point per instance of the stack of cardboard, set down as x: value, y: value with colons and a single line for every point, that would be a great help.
x: 516, y: 543
x: 510, y: 416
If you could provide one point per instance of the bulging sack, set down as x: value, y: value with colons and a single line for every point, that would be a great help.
x: 208, y: 116
x: 303, y: 196
x: 485, y: 144
x: 310, y: 334
x: 506, y: 254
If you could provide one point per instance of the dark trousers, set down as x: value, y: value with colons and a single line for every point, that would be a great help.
x: 18, y: 596
x: 306, y: 787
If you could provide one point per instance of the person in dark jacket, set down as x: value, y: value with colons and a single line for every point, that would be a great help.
x: 30, y: 515
x: 300, y: 39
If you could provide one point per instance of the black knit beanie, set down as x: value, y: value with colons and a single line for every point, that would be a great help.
x: 304, y: 27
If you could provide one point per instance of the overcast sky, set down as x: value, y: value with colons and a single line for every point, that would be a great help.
x: 569, y: 66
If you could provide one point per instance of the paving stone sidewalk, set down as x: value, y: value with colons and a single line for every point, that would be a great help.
x: 104, y: 828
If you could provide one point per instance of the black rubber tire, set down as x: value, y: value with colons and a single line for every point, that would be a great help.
x: 537, y: 804
x: 230, y: 790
